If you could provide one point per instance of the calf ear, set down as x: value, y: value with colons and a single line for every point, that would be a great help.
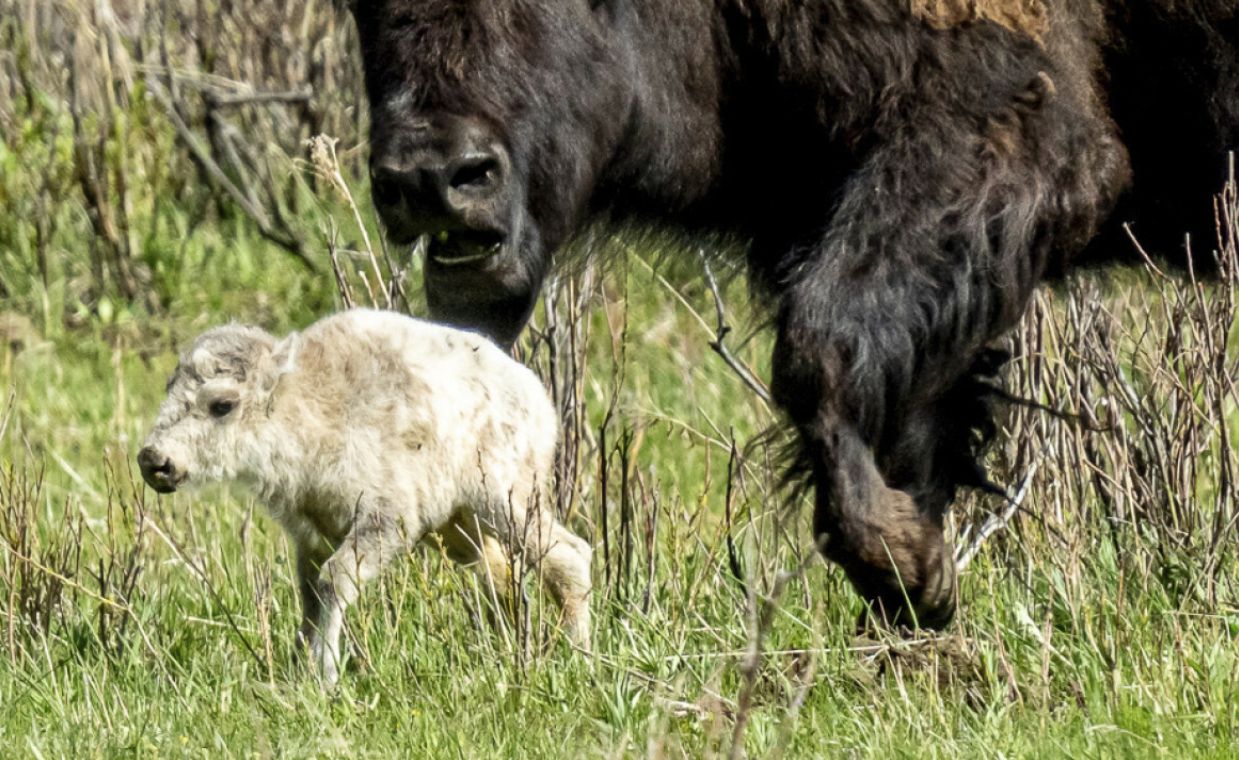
x: 279, y: 362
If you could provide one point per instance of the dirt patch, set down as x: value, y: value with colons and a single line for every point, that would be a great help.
x: 952, y: 661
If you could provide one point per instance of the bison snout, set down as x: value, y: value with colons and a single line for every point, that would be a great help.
x: 453, y: 178
x: 438, y: 194
x: 159, y: 471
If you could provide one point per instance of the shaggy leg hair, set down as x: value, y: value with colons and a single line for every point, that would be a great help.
x: 882, y: 355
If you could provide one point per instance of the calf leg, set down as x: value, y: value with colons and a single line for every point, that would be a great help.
x: 565, y: 572
x: 308, y: 567
x: 562, y: 559
x: 375, y: 539
x: 499, y: 572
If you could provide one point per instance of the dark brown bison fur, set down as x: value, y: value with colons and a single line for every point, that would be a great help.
x: 905, y: 172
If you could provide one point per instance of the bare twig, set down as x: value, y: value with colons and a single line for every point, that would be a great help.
x: 733, y: 556
x: 107, y: 602
x: 762, y: 611
x: 200, y: 572
x: 996, y: 522
x: 284, y: 238
x: 323, y: 156
x: 251, y: 98
x: 720, y: 333
x: 333, y: 250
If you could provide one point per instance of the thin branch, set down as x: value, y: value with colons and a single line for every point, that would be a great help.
x: 200, y: 572
x: 761, y: 611
x: 733, y: 556
x: 105, y: 601
x: 247, y: 98
x: 323, y: 156
x: 996, y: 522
x: 203, y: 158
x: 346, y: 293
x: 720, y: 333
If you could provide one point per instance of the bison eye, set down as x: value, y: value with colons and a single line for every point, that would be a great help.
x: 221, y: 407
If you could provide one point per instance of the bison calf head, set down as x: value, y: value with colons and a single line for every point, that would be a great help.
x: 218, y: 389
x: 491, y: 120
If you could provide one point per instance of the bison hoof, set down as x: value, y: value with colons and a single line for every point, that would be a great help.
x: 909, y: 581
x: 879, y: 615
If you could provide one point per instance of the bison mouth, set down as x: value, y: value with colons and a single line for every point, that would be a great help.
x: 484, y: 281
x: 464, y: 248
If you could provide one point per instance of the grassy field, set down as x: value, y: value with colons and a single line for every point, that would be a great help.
x: 1102, y: 622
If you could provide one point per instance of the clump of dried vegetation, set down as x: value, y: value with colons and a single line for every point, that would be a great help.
x: 1141, y: 374
x: 129, y: 117
x: 157, y: 156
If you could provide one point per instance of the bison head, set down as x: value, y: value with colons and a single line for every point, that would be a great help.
x: 491, y: 121
x: 219, y: 387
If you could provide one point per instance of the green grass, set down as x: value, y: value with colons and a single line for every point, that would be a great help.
x: 136, y: 625
x: 1059, y: 651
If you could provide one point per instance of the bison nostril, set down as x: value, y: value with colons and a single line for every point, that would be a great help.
x: 475, y: 173
x: 384, y: 190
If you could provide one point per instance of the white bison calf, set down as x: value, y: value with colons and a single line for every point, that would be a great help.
x: 364, y: 434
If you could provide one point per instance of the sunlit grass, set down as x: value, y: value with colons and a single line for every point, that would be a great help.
x: 138, y: 625
x: 1060, y: 649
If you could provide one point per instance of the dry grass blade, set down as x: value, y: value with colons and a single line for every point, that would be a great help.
x: 9, y: 405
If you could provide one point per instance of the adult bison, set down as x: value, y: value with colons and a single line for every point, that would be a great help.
x: 905, y: 171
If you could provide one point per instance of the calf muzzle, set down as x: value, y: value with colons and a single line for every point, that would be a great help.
x: 159, y: 471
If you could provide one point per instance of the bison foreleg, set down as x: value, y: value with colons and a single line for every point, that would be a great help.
x: 930, y: 255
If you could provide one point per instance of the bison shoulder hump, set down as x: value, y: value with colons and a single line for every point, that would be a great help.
x: 1028, y: 17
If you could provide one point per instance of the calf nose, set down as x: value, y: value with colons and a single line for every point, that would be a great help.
x: 150, y: 460
x: 157, y: 470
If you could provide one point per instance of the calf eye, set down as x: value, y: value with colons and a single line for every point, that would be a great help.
x: 221, y: 407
